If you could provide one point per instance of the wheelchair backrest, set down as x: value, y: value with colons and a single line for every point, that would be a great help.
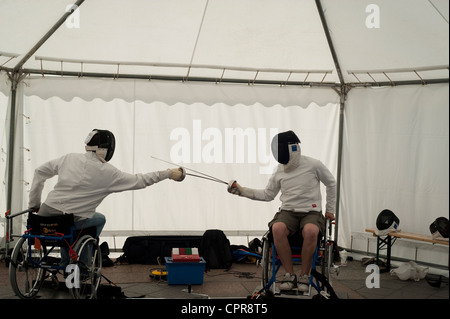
x: 50, y: 225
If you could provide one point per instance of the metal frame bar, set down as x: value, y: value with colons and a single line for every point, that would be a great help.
x: 178, y: 78
x: 182, y: 65
x: 398, y: 83
x: 401, y: 70
x: 303, y: 83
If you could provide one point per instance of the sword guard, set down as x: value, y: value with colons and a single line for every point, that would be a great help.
x: 183, y: 174
x: 231, y: 185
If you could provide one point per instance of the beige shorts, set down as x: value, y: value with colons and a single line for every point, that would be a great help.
x: 297, y: 220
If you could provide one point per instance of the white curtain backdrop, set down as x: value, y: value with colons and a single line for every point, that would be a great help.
x: 396, y: 156
x: 395, y: 151
x: 221, y: 130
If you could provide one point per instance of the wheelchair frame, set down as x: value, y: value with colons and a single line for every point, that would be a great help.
x: 319, y: 280
x: 29, y: 266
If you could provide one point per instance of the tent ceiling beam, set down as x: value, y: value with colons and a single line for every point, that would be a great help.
x: 303, y: 83
x: 397, y: 83
x: 177, y: 78
x: 421, y: 79
x: 402, y: 70
x: 385, y: 73
x: 181, y: 65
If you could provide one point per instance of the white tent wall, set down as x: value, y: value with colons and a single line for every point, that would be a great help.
x: 221, y: 130
x: 395, y: 149
x: 396, y: 156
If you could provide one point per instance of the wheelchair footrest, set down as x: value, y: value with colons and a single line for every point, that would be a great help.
x: 294, y: 292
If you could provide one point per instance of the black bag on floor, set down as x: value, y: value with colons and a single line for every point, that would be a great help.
x: 106, y: 261
x: 110, y: 292
x: 215, y: 249
x: 150, y: 250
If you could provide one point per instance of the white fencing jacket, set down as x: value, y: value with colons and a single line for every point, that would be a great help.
x: 300, y: 188
x: 83, y: 182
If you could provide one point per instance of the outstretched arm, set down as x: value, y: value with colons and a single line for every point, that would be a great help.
x: 267, y: 194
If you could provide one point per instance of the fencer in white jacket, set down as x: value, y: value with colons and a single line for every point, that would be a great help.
x: 298, y: 177
x: 84, y: 180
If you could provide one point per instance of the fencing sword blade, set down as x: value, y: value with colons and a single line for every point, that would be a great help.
x: 186, y: 168
x: 204, y: 177
x: 164, y: 161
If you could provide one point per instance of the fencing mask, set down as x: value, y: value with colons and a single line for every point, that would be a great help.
x: 286, y: 149
x: 387, y: 222
x: 440, y: 228
x: 102, y: 142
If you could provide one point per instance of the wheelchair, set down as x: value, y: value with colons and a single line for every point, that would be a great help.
x: 31, y: 262
x: 319, y: 282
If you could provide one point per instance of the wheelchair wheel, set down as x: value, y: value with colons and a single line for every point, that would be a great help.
x: 323, y: 278
x: 26, y: 277
x: 89, y: 262
x: 328, y: 259
x: 267, y: 269
x: 328, y: 245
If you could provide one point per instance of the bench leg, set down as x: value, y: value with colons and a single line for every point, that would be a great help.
x: 380, y: 244
x: 388, y: 261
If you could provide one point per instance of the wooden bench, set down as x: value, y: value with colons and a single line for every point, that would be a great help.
x: 389, y: 239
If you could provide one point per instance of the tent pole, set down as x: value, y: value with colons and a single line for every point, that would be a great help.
x: 12, y: 129
x: 15, y: 79
x: 342, y: 94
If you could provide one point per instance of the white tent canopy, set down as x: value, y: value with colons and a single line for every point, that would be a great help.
x: 207, y: 83
x: 232, y: 39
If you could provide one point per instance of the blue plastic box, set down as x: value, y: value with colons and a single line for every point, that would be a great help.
x: 185, y: 273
